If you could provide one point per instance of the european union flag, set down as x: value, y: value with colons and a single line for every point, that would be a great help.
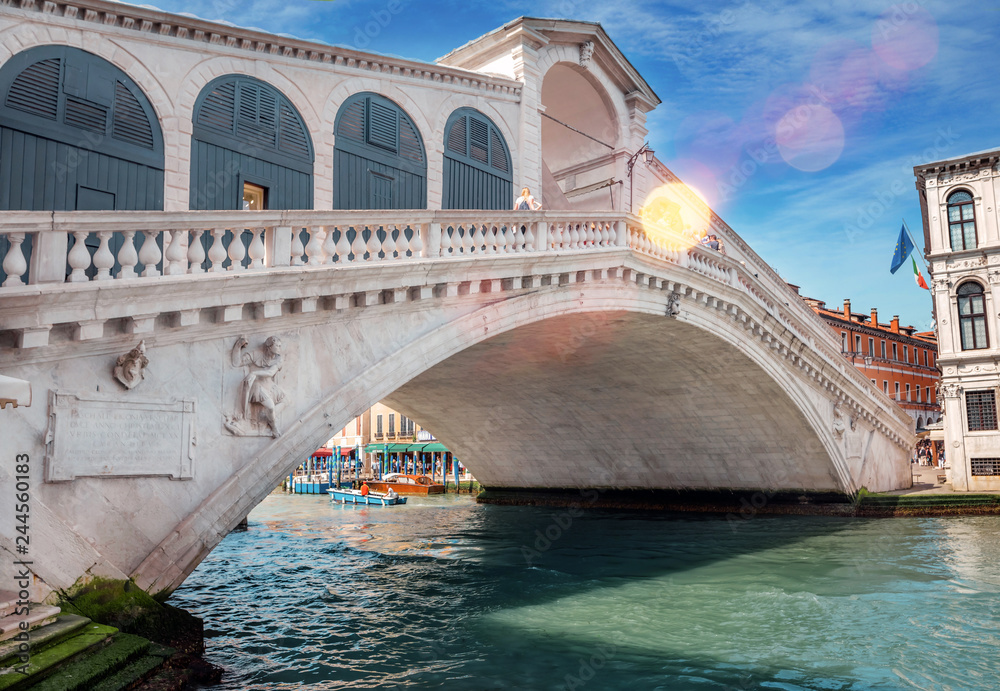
x: 903, y: 249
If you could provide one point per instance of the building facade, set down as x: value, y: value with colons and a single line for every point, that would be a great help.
x: 899, y: 361
x: 958, y: 199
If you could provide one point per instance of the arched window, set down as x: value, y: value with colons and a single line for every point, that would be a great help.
x: 962, y: 221
x: 972, y: 316
x: 76, y: 134
x: 250, y: 148
x: 477, y: 166
x: 379, y: 160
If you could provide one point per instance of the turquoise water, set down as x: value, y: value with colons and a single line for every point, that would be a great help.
x: 444, y: 593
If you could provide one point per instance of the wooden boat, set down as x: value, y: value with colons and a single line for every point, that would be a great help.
x: 354, y: 496
x: 407, y: 484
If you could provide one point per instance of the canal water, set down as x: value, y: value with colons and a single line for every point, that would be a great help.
x: 444, y: 593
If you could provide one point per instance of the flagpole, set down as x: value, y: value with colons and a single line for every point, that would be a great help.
x: 915, y: 245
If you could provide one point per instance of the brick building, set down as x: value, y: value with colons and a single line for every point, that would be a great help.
x: 900, y: 361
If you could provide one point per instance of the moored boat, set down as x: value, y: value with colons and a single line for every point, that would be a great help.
x: 354, y: 496
x: 407, y: 484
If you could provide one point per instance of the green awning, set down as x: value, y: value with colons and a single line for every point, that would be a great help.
x: 430, y: 447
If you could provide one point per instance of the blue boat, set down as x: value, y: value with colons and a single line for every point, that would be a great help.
x: 354, y: 496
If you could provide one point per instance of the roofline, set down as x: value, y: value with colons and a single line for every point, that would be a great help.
x: 256, y: 42
x: 595, y: 28
x: 977, y: 159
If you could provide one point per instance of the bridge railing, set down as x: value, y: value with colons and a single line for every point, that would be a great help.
x: 76, y: 247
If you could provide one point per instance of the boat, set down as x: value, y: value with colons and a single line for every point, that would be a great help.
x: 354, y: 496
x: 407, y: 484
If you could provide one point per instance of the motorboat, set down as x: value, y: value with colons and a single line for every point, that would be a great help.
x: 407, y: 484
x: 354, y: 496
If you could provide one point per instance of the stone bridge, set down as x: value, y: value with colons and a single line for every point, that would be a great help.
x: 553, y: 349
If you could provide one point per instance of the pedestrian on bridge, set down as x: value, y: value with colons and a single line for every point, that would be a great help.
x: 526, y: 202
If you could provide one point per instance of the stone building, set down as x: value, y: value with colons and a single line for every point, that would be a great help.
x: 958, y: 200
x: 899, y: 361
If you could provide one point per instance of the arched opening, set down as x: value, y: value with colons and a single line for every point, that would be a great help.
x: 76, y: 134
x: 379, y: 160
x: 250, y: 150
x: 477, y: 165
x: 579, y: 136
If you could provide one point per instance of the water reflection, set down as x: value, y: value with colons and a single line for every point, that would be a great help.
x: 443, y: 593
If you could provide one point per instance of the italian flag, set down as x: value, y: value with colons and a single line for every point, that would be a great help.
x: 917, y: 276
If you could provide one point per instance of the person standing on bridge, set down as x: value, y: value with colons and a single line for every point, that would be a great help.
x: 526, y: 202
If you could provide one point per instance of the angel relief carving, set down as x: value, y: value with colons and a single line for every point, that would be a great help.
x: 259, y: 394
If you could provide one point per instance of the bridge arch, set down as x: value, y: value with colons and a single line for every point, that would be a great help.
x: 583, y: 325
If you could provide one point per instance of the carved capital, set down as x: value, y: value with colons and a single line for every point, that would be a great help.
x: 586, y: 53
x: 951, y: 390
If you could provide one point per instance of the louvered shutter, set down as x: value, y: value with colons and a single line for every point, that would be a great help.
x: 479, y: 140
x: 218, y: 109
x: 352, y: 122
x: 498, y: 153
x: 383, y: 126
x: 456, y: 137
x: 130, y: 123
x: 292, y: 138
x: 409, y: 141
x: 36, y: 89
x: 86, y: 115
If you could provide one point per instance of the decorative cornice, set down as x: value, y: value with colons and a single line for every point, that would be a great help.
x: 159, y: 23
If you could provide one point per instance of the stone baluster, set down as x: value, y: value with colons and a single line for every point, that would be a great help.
x: 467, y: 241
x: 574, y: 236
x: 343, y: 246
x: 358, y: 246
x: 14, y: 263
x: 479, y: 237
x: 127, y: 256
x: 314, y: 248
x: 175, y: 258
x: 416, y: 242
x: 373, y: 244
x: 589, y: 235
x: 79, y: 258
x: 104, y: 259
x: 217, y: 252
x: 237, y: 251
x: 149, y: 254
x: 329, y: 246
x: 195, y: 254
x: 517, y: 236
x: 508, y: 240
x: 389, y: 245
x: 402, y: 244
x: 297, y: 248
x: 529, y: 238
x: 256, y: 249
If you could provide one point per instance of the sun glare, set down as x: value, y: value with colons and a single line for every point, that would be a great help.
x: 675, y: 215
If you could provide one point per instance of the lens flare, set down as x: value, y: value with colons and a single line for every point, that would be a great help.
x: 675, y: 216
x: 905, y: 36
x: 810, y: 137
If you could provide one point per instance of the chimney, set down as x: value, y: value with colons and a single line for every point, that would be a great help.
x: 894, y: 326
x: 875, y: 317
x: 847, y: 310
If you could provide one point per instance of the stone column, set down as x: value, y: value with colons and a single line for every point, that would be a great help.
x: 954, y: 436
x: 528, y: 167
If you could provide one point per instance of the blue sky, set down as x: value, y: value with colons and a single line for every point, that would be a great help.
x: 800, y: 122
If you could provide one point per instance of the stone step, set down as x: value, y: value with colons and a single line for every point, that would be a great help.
x: 87, y: 671
x: 8, y: 602
x: 136, y: 671
x: 65, y: 625
x: 39, y: 615
x: 47, y: 660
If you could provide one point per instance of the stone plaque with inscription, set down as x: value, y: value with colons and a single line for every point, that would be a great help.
x: 91, y: 436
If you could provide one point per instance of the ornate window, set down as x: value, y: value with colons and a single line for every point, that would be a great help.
x: 962, y: 221
x: 972, y: 316
x: 981, y: 410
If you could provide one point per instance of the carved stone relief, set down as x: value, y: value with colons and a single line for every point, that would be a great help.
x: 130, y: 368
x: 586, y: 53
x: 839, y: 423
x: 951, y: 390
x: 674, y: 304
x: 256, y: 411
